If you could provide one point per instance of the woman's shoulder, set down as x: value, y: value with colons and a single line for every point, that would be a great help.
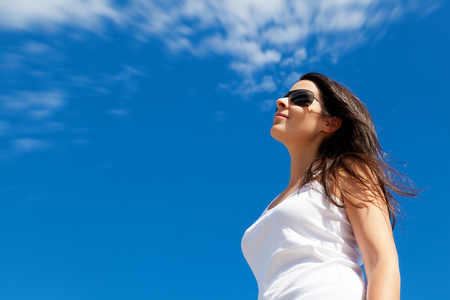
x: 357, y: 182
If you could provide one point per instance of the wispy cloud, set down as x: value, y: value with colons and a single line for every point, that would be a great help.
x: 290, y: 79
x: 51, y: 14
x: 26, y: 115
x: 267, y: 42
x: 20, y: 146
x: 251, y: 86
x: 29, y: 145
x: 267, y: 105
x: 36, y: 105
x: 29, y: 116
x: 255, y: 34
x: 125, y: 78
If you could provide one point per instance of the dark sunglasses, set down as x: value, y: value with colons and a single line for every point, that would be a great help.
x: 303, y: 98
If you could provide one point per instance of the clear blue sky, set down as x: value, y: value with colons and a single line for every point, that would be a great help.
x: 135, y: 147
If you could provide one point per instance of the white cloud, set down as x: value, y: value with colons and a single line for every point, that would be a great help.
x: 251, y: 86
x: 259, y: 37
x: 255, y: 33
x: 267, y: 105
x: 291, y: 79
x: 341, y: 19
x: 286, y: 34
x: 35, y: 104
x: 296, y: 59
x: 40, y: 113
x: 36, y: 48
x: 29, y: 114
x: 36, y: 114
x: 38, y: 54
x: 49, y: 14
x: 29, y: 145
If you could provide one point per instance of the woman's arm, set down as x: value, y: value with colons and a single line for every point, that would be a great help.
x: 373, y: 233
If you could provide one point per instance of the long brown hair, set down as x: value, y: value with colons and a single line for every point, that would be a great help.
x: 354, y: 150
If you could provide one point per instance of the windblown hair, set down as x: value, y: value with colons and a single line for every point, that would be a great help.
x: 354, y: 152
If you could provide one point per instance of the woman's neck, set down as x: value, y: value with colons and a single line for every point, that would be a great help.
x: 301, y: 160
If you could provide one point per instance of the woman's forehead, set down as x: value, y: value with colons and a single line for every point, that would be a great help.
x: 307, y: 85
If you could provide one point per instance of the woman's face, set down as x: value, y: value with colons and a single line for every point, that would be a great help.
x: 298, y: 125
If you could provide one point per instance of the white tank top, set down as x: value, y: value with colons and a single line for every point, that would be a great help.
x: 304, y: 248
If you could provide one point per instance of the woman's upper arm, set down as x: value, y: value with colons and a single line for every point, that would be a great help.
x: 372, y: 230
x: 369, y: 218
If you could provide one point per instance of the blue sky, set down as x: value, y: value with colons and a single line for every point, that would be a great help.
x: 134, y: 136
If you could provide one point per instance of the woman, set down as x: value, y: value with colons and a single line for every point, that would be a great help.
x: 337, y: 208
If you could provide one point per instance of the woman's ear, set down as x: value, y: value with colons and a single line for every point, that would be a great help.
x: 332, y: 124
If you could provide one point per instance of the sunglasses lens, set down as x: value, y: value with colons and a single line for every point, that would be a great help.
x: 302, y: 98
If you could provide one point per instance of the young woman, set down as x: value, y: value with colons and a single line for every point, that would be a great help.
x: 337, y: 208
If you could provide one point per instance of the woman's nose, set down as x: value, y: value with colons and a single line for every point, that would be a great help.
x: 282, y: 103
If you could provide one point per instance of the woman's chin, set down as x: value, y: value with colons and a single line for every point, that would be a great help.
x: 277, y: 133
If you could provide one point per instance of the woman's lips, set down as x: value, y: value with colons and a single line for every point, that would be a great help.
x: 281, y: 115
